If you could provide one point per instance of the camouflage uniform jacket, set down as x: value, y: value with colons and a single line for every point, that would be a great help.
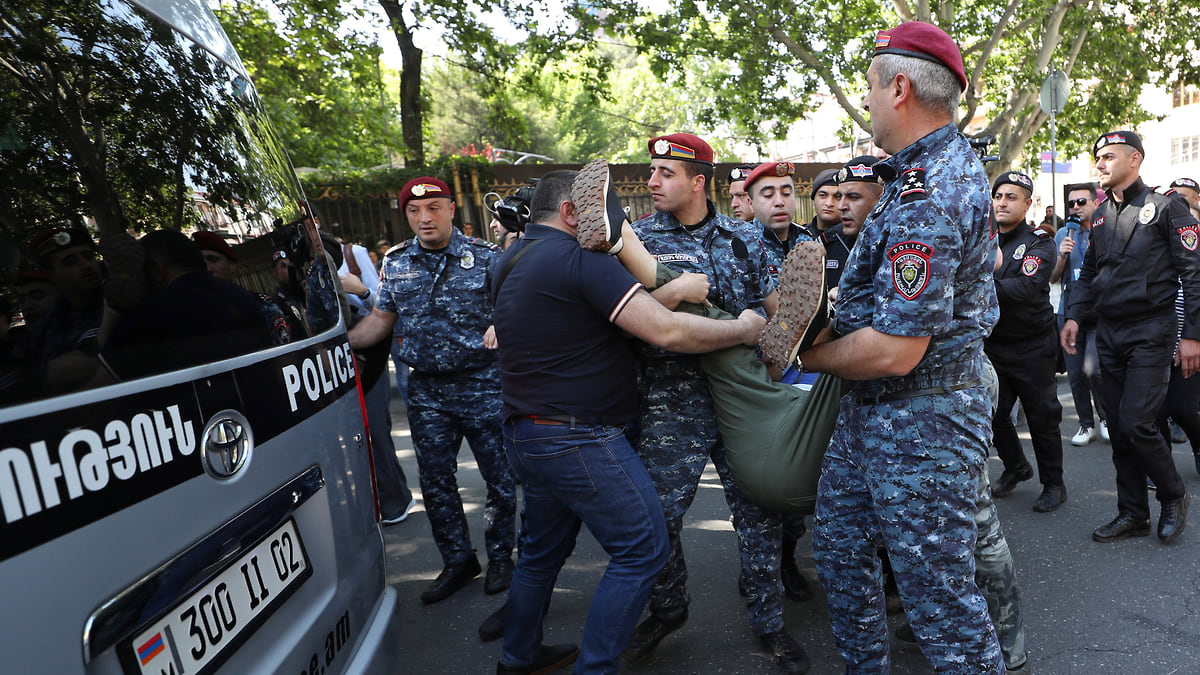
x: 923, y: 263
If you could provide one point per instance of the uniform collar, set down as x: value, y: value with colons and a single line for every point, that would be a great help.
x: 1131, y: 193
x: 457, y: 246
x: 664, y: 221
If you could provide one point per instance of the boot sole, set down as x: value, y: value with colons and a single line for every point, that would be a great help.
x: 588, y: 194
x: 801, y: 289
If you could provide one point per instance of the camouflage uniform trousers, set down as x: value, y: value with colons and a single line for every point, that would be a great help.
x: 437, y: 436
x: 904, y: 475
x: 678, y: 436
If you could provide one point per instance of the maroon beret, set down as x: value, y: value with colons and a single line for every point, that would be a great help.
x: 686, y: 147
x: 923, y: 41
x: 423, y: 187
x: 776, y: 169
x: 59, y: 238
x: 211, y: 241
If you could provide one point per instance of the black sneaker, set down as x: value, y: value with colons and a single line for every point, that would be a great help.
x: 802, y: 309
x: 598, y: 209
x: 452, y: 578
x: 499, y: 576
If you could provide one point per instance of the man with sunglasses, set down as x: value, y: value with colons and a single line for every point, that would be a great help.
x: 1083, y: 370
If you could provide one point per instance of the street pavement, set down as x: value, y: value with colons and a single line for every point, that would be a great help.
x: 1130, y: 608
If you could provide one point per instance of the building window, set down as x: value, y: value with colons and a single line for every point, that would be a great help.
x: 1185, y: 149
x: 1185, y: 94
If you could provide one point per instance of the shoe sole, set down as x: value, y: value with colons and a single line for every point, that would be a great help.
x: 589, y: 193
x: 801, y: 288
x: 403, y: 516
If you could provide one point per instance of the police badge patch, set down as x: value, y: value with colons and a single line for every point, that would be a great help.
x: 1147, y: 214
x: 1030, y: 265
x: 1019, y: 252
x: 1189, y: 236
x: 910, y: 267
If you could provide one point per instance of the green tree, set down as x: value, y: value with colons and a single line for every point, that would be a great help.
x: 320, y: 81
x: 780, y: 57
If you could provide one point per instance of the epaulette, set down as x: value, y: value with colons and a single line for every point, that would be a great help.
x: 1042, y: 232
x: 483, y: 242
x: 398, y: 247
x: 912, y: 186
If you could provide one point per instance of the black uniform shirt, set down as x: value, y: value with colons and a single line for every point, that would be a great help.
x: 1142, y: 249
x: 1023, y: 285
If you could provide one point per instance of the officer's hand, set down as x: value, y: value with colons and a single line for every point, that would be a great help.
x: 489, y: 338
x: 1067, y: 245
x: 1067, y: 338
x: 754, y: 323
x: 833, y: 296
x: 1187, y: 355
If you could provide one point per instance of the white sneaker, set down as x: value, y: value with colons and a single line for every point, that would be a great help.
x: 1104, y: 432
x: 403, y: 515
x: 1084, y: 436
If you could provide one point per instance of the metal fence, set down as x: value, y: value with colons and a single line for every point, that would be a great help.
x: 367, y: 219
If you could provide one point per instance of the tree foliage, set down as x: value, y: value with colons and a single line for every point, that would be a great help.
x: 321, y: 81
x: 782, y: 53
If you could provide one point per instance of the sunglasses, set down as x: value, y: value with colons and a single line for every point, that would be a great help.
x: 1078, y: 202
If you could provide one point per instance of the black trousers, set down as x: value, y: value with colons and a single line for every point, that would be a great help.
x: 1183, y: 406
x: 1025, y: 372
x: 1135, y: 369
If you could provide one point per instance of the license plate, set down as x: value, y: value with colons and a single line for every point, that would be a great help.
x: 196, y: 636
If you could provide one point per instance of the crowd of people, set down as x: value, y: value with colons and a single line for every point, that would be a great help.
x: 856, y: 368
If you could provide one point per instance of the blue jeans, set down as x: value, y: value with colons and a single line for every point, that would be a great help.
x: 574, y: 474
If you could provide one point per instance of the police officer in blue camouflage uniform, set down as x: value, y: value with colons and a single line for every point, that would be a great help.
x: 1024, y: 345
x: 772, y: 190
x: 739, y: 199
x: 437, y: 287
x: 679, y: 433
x: 914, y: 305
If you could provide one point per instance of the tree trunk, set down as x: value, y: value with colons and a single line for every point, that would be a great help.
x: 412, y: 114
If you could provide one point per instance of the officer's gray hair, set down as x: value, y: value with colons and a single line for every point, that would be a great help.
x: 934, y: 85
x: 552, y: 189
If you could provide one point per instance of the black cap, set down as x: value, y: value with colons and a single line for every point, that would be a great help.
x: 826, y: 177
x: 740, y: 172
x: 1185, y: 183
x: 1118, y: 138
x: 1013, y: 178
x: 861, y: 169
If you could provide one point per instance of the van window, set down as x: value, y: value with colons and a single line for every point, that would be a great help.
x: 140, y: 170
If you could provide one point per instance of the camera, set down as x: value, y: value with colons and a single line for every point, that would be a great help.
x: 290, y: 239
x: 512, y: 211
x: 980, y: 145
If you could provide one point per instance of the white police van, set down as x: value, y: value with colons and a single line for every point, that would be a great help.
x: 208, y: 513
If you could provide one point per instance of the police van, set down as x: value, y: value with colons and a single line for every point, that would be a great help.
x: 209, y: 503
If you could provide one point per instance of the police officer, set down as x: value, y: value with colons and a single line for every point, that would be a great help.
x: 824, y: 198
x: 1188, y: 189
x: 772, y: 192
x: 1023, y: 345
x: 739, y: 199
x: 436, y: 286
x: 914, y: 305
x: 679, y: 433
x: 772, y: 189
x: 858, y: 190
x: 1143, y: 247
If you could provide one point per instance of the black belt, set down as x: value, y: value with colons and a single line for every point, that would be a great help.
x: 912, y: 393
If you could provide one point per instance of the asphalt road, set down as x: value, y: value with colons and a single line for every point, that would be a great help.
x: 1125, y: 608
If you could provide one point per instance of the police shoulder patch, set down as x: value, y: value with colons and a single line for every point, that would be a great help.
x: 1030, y: 265
x: 397, y: 248
x: 912, y: 185
x: 1189, y: 236
x: 910, y: 267
x: 1097, y: 222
